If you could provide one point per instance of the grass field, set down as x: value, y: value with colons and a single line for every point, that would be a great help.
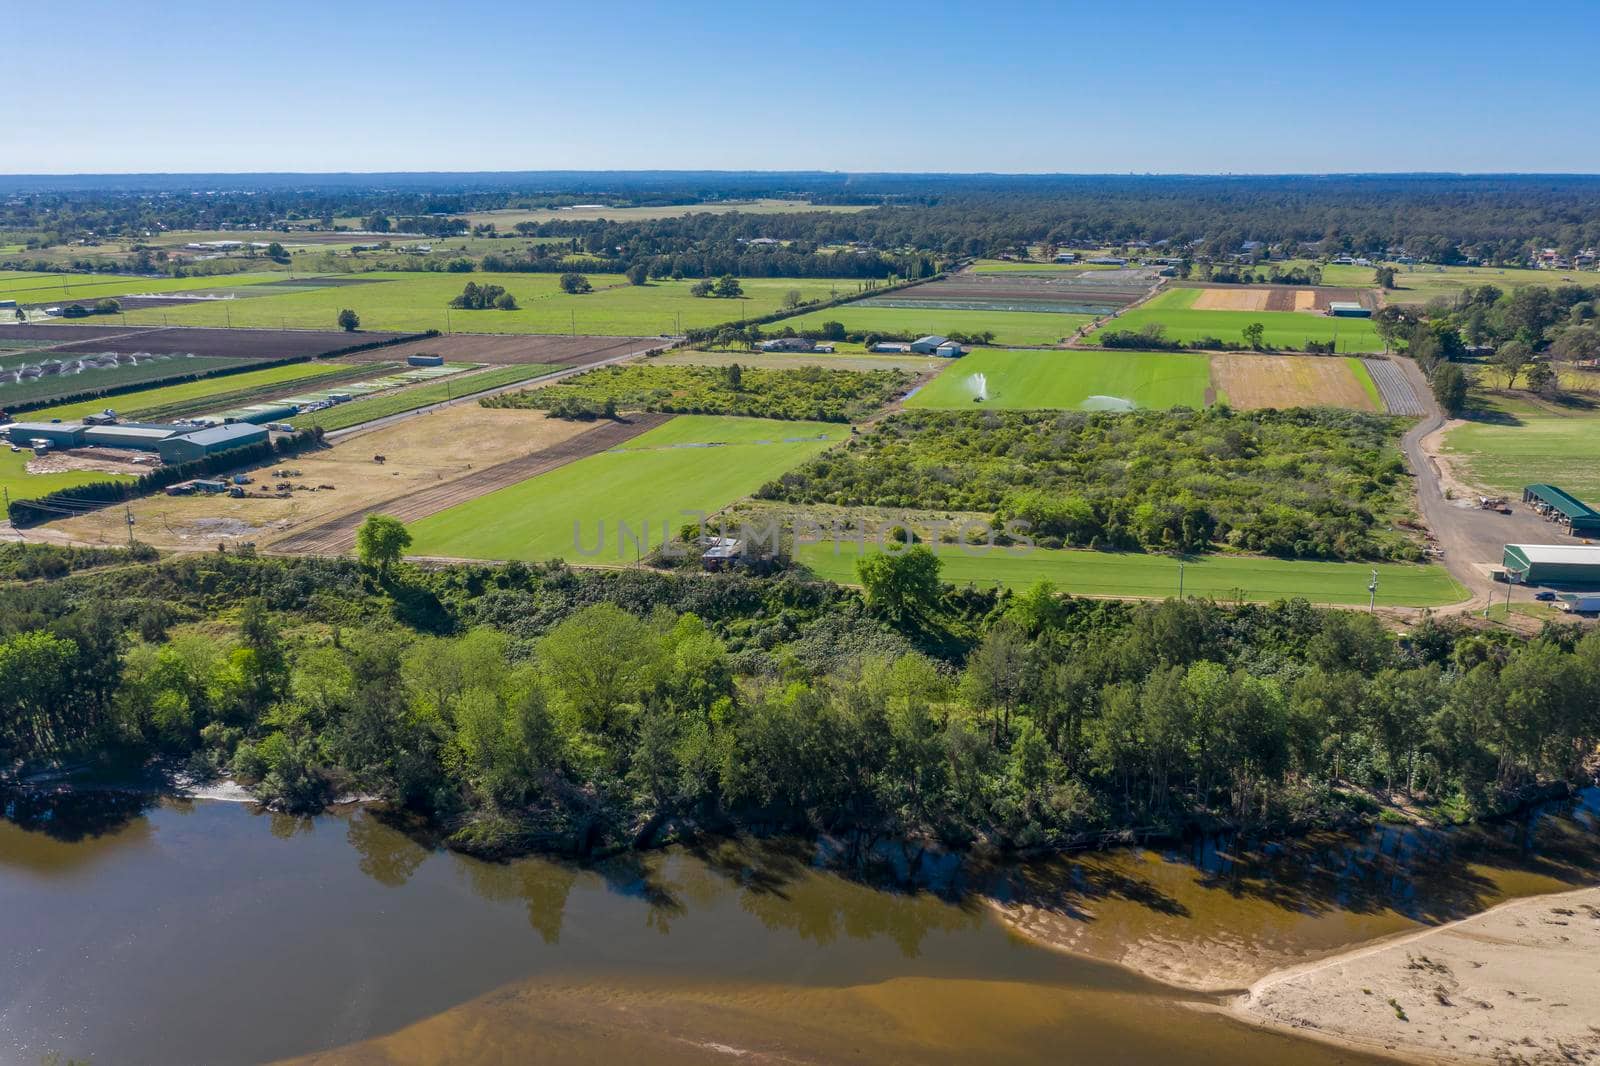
x: 505, y: 219
x: 395, y: 401
x: 1070, y: 380
x: 45, y: 389
x: 86, y: 288
x: 18, y: 484
x: 655, y: 479
x: 131, y: 403
x: 418, y: 301
x: 1525, y: 441
x: 1284, y: 329
x: 1009, y: 327
x: 1224, y: 577
x: 1007, y: 266
x: 1420, y: 283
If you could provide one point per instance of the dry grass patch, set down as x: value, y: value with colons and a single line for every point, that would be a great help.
x: 1251, y: 381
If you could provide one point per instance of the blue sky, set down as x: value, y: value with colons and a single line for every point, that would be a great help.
x: 1007, y: 85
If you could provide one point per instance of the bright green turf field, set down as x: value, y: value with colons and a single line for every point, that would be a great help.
x: 1009, y: 327
x: 655, y: 479
x: 1536, y: 443
x: 1284, y: 329
x: 1224, y: 577
x: 21, y: 485
x: 1070, y: 380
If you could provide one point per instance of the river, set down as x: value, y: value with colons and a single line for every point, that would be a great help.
x: 196, y: 931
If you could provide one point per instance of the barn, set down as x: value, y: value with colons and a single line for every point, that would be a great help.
x: 1553, y: 564
x: 187, y: 447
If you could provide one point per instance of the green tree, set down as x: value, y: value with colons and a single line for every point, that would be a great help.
x: 574, y: 283
x: 728, y: 286
x: 901, y: 585
x: 1450, y: 384
x: 1510, y: 359
x: 381, y: 541
x: 349, y: 321
x: 1255, y: 335
x: 638, y: 272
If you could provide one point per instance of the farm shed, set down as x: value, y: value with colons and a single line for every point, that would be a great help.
x: 262, y: 413
x: 1348, y: 309
x: 139, y: 435
x: 1553, y: 564
x: 59, y: 434
x: 949, y: 350
x: 425, y: 360
x: 188, y: 447
x: 1562, y: 506
x: 927, y: 345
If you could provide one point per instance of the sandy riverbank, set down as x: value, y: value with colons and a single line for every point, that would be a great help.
x: 1517, y: 983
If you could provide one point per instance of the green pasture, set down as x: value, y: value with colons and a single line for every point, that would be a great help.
x: 396, y: 401
x: 1070, y: 380
x: 45, y: 389
x: 1009, y: 327
x: 1118, y: 574
x: 654, y: 480
x: 1420, y: 283
x: 67, y: 289
x: 1288, y: 330
x: 1009, y: 266
x: 415, y: 301
x: 18, y: 484
x: 1516, y: 441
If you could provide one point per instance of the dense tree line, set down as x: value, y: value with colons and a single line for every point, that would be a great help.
x: 1304, y: 483
x: 532, y: 707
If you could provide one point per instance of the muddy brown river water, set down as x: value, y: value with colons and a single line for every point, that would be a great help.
x: 209, y: 932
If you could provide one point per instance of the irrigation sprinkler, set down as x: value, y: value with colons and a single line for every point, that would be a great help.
x: 1180, y: 581
x: 1372, y: 592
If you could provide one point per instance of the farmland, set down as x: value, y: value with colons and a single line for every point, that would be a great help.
x: 1516, y: 440
x: 1008, y: 327
x: 1013, y: 266
x: 507, y: 218
x: 396, y: 401
x: 1071, y: 380
x: 1174, y: 311
x: 26, y: 391
x: 41, y: 289
x: 1121, y: 574
x: 1121, y: 380
x: 1420, y: 283
x: 162, y: 396
x: 18, y: 484
x: 658, y: 481
x: 418, y: 301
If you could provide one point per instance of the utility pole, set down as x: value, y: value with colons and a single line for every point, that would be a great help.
x: 129, y: 512
x: 1372, y: 592
x: 1180, y: 581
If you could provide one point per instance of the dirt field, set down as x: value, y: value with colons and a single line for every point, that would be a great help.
x: 1276, y: 298
x: 421, y: 453
x: 56, y: 335
x: 1287, y: 381
x: 230, y: 343
x: 339, y: 535
x: 1231, y: 300
x: 1106, y: 289
x: 510, y: 349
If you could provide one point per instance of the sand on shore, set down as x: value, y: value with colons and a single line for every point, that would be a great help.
x: 1518, y: 983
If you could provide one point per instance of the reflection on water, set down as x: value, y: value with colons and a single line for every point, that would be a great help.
x: 211, y: 932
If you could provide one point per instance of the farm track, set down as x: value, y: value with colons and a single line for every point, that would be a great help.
x: 337, y: 536
x: 1399, y: 398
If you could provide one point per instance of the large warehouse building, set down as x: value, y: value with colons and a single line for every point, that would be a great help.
x: 1562, y: 506
x: 1553, y: 564
x: 187, y: 447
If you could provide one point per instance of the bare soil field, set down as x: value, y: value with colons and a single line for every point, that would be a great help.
x: 55, y: 336
x: 510, y: 349
x: 1098, y: 289
x: 420, y: 453
x: 915, y: 364
x: 339, y: 534
x: 1276, y: 298
x: 231, y: 343
x: 1251, y: 381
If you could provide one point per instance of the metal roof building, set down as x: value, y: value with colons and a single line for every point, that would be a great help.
x: 59, y: 434
x: 1564, y: 507
x: 927, y: 345
x: 140, y: 435
x: 187, y: 447
x: 1348, y: 309
x: 1554, y: 564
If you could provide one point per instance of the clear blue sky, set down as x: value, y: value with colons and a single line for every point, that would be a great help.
x: 1005, y: 85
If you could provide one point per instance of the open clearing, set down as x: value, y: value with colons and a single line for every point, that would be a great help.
x: 1121, y: 380
x: 18, y: 484
x: 418, y: 301
x: 421, y: 453
x: 1224, y: 577
x: 1106, y: 381
x: 915, y: 364
x: 1522, y: 441
x: 1015, y: 266
x: 1417, y: 284
x: 693, y: 464
x: 1008, y: 327
x: 66, y: 289
x: 1250, y: 381
x: 1174, y: 310
x: 510, y: 349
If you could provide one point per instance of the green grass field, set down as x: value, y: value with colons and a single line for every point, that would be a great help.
x: 1224, y: 577
x: 46, y: 389
x: 396, y: 401
x: 128, y: 404
x: 1070, y: 380
x: 1009, y: 327
x: 1420, y: 283
x: 1284, y: 329
x: 418, y: 301
x: 1530, y: 442
x: 86, y: 288
x: 655, y: 479
x: 21, y: 485
x: 1007, y: 266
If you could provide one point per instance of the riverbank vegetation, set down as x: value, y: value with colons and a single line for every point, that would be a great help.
x: 1301, y: 483
x: 525, y: 707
